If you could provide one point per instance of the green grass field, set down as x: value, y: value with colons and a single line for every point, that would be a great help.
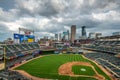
x: 83, y: 70
x: 47, y: 67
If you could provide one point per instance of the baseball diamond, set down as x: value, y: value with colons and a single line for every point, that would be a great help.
x: 63, y: 67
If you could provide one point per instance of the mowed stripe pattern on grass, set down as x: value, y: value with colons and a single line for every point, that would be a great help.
x: 47, y: 66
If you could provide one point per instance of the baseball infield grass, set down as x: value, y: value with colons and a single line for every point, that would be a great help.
x: 83, y: 70
x: 47, y: 67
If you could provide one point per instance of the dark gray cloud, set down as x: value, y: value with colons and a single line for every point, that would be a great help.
x: 55, y: 16
x: 7, y: 4
x: 39, y: 7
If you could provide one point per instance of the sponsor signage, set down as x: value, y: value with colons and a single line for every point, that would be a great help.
x: 16, y: 36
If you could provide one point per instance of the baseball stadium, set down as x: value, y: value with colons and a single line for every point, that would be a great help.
x: 59, y: 39
x: 88, y: 59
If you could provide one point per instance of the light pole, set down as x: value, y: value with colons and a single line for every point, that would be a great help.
x: 4, y: 57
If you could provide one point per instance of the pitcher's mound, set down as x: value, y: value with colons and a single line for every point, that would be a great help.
x: 82, y: 69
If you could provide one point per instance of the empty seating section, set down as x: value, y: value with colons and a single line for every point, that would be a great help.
x: 106, y: 64
x: 31, y: 46
x: 106, y: 46
x: 106, y: 42
x: 8, y: 49
x: 25, y: 46
x: 10, y: 55
x: 106, y: 60
x: 105, y: 54
x: 11, y: 75
x: 1, y: 53
x: 17, y: 53
x: 36, y: 45
x: 20, y: 47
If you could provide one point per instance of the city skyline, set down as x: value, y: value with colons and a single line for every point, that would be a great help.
x: 55, y: 16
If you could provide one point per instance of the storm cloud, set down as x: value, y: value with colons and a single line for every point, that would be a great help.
x: 48, y: 17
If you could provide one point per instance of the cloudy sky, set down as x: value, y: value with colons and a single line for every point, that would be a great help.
x: 48, y: 17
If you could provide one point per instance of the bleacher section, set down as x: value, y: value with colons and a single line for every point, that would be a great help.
x: 106, y: 51
x: 11, y: 75
x: 107, y: 60
x: 1, y: 53
x: 105, y: 46
x: 17, y: 53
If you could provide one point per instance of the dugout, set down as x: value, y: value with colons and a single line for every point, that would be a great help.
x: 47, y: 52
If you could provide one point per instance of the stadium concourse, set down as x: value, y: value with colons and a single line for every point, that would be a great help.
x: 106, y: 53
x: 15, y: 55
